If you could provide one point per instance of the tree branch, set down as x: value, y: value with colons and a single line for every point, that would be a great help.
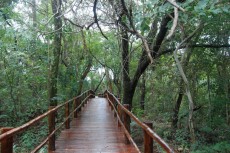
x: 176, y: 5
x: 90, y: 25
x: 95, y: 18
x: 102, y: 64
x: 95, y: 90
x: 144, y: 61
x: 79, y: 26
x: 135, y: 32
x: 210, y: 45
x: 216, y: 46
x: 175, y: 19
x: 188, y: 92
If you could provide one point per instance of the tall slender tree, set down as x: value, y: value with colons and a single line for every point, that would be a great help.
x: 53, y: 76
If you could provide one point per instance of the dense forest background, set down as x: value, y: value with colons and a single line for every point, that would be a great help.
x: 168, y: 59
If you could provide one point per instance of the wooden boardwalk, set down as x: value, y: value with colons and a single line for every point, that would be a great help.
x: 94, y: 131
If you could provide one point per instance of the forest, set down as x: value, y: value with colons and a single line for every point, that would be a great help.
x: 168, y: 59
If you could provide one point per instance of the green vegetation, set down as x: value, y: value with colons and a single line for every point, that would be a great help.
x: 50, y: 52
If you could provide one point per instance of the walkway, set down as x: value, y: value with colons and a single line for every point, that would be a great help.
x: 94, y: 131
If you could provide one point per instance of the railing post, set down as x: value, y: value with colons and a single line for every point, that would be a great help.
x: 51, y: 119
x: 79, y: 103
x: 7, y: 144
x: 86, y: 100
x: 105, y: 94
x: 92, y: 94
x: 88, y: 93
x: 67, y: 123
x: 119, y: 112
x: 148, y: 141
x: 81, y: 98
x: 108, y: 97
x: 74, y: 107
x: 115, y: 107
x: 126, y: 122
x: 111, y: 100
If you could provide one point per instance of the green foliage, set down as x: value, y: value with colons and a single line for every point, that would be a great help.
x: 30, y: 139
x: 145, y: 25
x: 5, y: 3
x: 182, y: 138
x: 138, y: 112
x: 223, y: 147
x: 26, y: 55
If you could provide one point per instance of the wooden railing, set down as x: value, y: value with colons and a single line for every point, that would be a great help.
x: 124, y: 116
x: 7, y: 134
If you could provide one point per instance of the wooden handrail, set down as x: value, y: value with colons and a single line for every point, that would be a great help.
x: 9, y: 134
x: 59, y: 127
x: 116, y: 106
x: 128, y: 136
x: 147, y: 129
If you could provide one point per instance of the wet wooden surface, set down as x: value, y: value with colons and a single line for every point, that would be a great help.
x: 94, y: 131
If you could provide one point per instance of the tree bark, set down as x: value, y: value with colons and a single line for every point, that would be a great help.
x: 184, y: 62
x: 34, y: 13
x: 108, y: 79
x: 129, y: 85
x: 84, y: 75
x: 117, y: 83
x: 143, y: 92
x: 88, y: 66
x: 177, y: 107
x: 53, y: 78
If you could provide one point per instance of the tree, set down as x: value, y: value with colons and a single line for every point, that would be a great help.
x: 53, y: 78
x: 132, y: 42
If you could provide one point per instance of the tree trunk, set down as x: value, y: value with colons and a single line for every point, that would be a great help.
x: 209, y: 100
x: 88, y: 66
x: 227, y: 104
x: 34, y: 13
x: 177, y: 107
x: 144, y: 61
x: 95, y: 90
x: 56, y: 9
x: 128, y: 89
x: 184, y: 62
x: 84, y: 75
x: 116, y: 81
x: 143, y: 92
x: 129, y: 85
x: 109, y: 82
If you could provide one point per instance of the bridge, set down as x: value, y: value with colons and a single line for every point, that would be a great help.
x: 92, y: 124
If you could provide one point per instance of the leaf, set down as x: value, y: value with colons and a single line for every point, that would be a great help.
x: 200, y: 7
x: 145, y: 24
x: 226, y: 9
x: 216, y: 11
x: 3, y: 116
x: 202, y: 4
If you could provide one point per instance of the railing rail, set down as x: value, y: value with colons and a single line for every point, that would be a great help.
x: 123, y: 125
x: 78, y: 102
x: 123, y: 112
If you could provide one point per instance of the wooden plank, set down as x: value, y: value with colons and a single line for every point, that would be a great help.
x: 95, y: 130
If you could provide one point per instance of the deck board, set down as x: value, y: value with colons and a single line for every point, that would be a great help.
x: 94, y: 131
